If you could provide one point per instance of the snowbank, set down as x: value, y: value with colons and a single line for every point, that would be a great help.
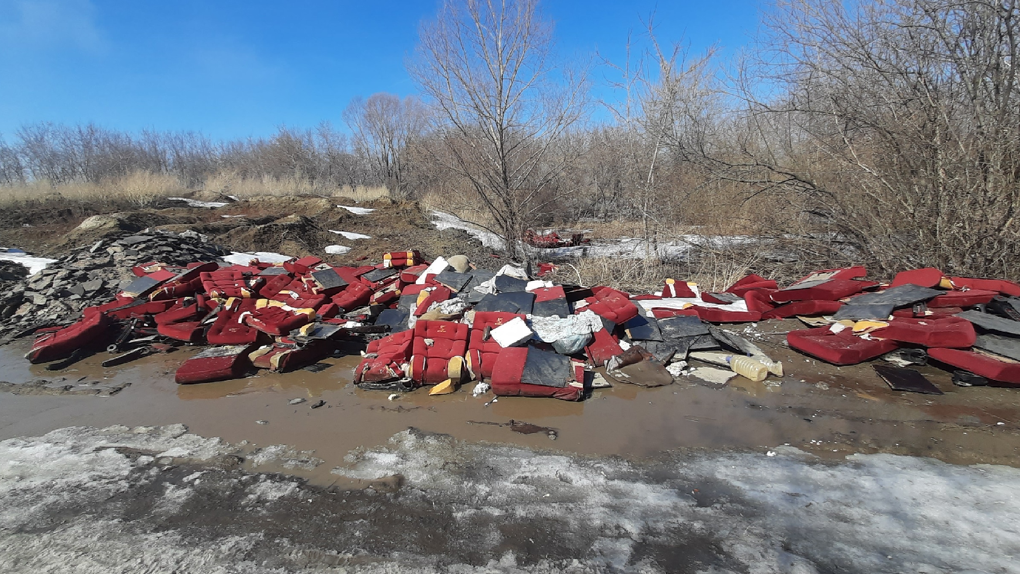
x: 243, y: 258
x: 357, y: 210
x: 34, y: 264
x: 197, y: 203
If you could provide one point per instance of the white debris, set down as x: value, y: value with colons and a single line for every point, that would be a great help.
x: 337, y: 249
x: 350, y: 234
x: 244, y: 258
x: 438, y: 266
x: 712, y: 375
x: 480, y: 389
x: 532, y: 285
x: 197, y: 203
x: 512, y: 333
x: 552, y: 329
x: 357, y: 210
x: 677, y: 369
x: 34, y: 264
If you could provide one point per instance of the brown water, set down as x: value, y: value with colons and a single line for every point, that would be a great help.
x: 823, y: 409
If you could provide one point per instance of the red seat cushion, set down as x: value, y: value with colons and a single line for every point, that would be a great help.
x: 531, y: 372
x: 843, y: 348
x: 481, y: 354
x: 214, y: 364
x: 979, y: 364
x: 808, y: 308
x: 1001, y: 285
x: 613, y: 305
x: 830, y: 290
x: 752, y: 282
x: 605, y: 346
x: 93, y: 328
x: 951, y: 332
x: 963, y: 298
x: 927, y: 277
x: 674, y: 288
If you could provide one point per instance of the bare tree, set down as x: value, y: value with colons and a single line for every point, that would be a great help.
x: 898, y: 123
x: 384, y: 126
x: 487, y: 67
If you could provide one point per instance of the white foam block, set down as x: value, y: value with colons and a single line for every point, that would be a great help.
x: 512, y: 333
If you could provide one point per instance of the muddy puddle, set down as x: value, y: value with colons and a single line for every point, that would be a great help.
x: 822, y: 409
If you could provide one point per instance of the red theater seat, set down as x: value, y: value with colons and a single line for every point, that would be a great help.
x: 481, y: 355
x: 444, y: 357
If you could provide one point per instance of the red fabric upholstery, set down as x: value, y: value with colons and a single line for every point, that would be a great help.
x: 93, y: 328
x: 809, y: 308
x: 277, y: 321
x: 231, y: 283
x: 430, y: 363
x: 951, y: 332
x: 303, y: 265
x: 674, y: 288
x: 752, y: 282
x: 357, y: 294
x: 392, y: 351
x: 604, y: 347
x: 402, y: 259
x: 185, y: 309
x: 843, y: 348
x: 927, y: 277
x: 988, y: 367
x: 436, y: 295
x: 187, y: 331
x: 506, y: 379
x: 831, y: 290
x: 716, y: 315
x: 481, y: 355
x: 229, y: 328
x: 1001, y: 285
x: 613, y: 305
x: 215, y: 364
x: 962, y: 298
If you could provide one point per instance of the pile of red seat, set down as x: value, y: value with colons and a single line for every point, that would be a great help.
x: 445, y: 324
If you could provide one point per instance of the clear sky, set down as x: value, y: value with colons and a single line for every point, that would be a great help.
x: 234, y: 69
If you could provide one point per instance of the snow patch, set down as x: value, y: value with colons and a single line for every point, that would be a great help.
x: 350, y: 234
x: 244, y: 258
x: 34, y: 264
x: 197, y: 203
x: 357, y: 210
x: 337, y: 249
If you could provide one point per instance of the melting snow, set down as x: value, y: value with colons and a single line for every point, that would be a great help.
x: 197, y: 203
x: 350, y: 234
x: 357, y: 210
x: 34, y: 264
x: 337, y: 249
x: 243, y: 258
x: 62, y: 509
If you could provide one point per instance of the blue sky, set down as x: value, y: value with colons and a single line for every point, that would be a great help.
x: 234, y: 69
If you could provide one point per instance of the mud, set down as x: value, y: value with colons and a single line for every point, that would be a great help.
x: 821, y: 409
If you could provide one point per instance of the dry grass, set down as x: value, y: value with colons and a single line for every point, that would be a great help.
x: 140, y: 189
x: 464, y: 205
x: 229, y: 183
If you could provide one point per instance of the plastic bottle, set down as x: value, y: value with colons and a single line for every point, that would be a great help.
x: 749, y: 368
x: 774, y: 367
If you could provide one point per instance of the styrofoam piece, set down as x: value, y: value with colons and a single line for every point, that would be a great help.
x: 512, y: 333
x: 437, y: 267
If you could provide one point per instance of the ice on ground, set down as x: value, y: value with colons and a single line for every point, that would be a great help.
x: 449, y: 221
x: 624, y: 248
x: 197, y: 203
x: 350, y: 234
x: 285, y: 456
x: 244, y: 258
x: 337, y: 249
x: 85, y: 500
x: 357, y: 210
x: 34, y: 264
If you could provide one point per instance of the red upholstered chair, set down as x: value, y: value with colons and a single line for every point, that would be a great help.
x: 391, y: 354
x: 531, y: 372
x: 481, y: 355
x: 437, y: 352
x: 229, y: 328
